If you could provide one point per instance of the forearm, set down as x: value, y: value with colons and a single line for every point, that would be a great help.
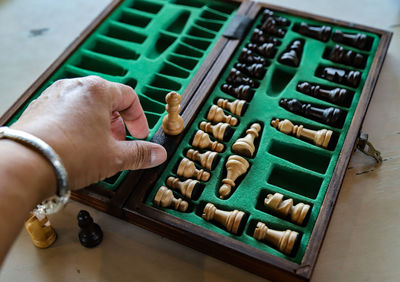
x: 26, y: 178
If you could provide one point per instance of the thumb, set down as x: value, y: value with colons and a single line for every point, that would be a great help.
x: 140, y: 154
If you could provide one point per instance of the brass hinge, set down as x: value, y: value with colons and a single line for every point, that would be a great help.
x: 367, y: 148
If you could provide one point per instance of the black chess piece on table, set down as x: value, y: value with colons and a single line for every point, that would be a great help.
x: 90, y: 234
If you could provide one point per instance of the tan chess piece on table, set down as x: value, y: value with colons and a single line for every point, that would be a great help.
x: 202, y: 140
x: 207, y: 160
x: 285, y: 241
x: 187, y: 169
x: 172, y: 123
x: 231, y: 220
x: 320, y: 138
x: 285, y: 207
x: 40, y: 230
x: 216, y: 114
x: 235, y: 166
x: 220, y: 131
x: 165, y: 198
x: 245, y: 146
x: 189, y: 188
x: 236, y: 107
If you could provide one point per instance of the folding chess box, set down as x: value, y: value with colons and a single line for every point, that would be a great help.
x: 305, y: 81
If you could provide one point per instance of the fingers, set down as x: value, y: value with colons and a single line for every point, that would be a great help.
x: 139, y: 155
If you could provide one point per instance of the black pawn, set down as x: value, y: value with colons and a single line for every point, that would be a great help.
x: 318, y: 32
x: 254, y: 70
x: 249, y: 58
x: 357, y: 40
x: 279, y: 20
x: 90, y: 234
x: 237, y: 78
x: 348, y: 57
x: 270, y: 26
x: 266, y: 49
x: 259, y: 36
x: 243, y: 92
x: 351, y: 78
x: 337, y: 95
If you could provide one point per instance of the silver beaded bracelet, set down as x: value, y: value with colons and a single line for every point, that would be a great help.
x: 56, y: 202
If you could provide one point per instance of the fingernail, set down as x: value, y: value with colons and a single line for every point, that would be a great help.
x: 158, y: 155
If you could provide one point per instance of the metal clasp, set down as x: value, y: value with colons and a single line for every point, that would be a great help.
x: 367, y: 148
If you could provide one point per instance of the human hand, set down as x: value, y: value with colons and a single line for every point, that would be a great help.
x: 82, y: 119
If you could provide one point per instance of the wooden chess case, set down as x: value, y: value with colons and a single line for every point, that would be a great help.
x: 129, y: 200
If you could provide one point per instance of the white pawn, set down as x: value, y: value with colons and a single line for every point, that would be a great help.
x: 172, y: 123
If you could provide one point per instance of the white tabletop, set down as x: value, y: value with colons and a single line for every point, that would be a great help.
x: 362, y: 242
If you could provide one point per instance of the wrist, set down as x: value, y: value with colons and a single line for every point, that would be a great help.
x: 24, y: 168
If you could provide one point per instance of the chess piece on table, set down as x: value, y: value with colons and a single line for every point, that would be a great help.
x: 221, y: 131
x: 255, y: 70
x: 270, y: 26
x: 318, y: 32
x: 216, y: 114
x: 235, y: 167
x: 172, y: 123
x: 267, y: 50
x: 286, y: 208
x: 248, y: 57
x: 202, y: 140
x: 320, y: 138
x: 357, y: 40
x: 233, y: 221
x: 279, y: 20
x: 237, y: 78
x: 286, y: 241
x: 90, y: 233
x: 165, y: 198
x: 207, y: 160
x: 339, y: 96
x: 40, y: 230
x: 245, y: 146
x: 241, y: 92
x: 350, y: 78
x: 331, y: 115
x: 187, y: 169
x: 237, y: 107
x: 190, y: 188
x: 258, y: 36
x: 348, y: 57
x: 293, y: 54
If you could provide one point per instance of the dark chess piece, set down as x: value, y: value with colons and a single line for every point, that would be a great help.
x: 357, y: 40
x: 351, y: 78
x: 241, y: 92
x: 90, y: 234
x: 237, y: 78
x: 266, y: 50
x: 293, y: 54
x: 259, y: 36
x: 270, y: 27
x: 331, y: 116
x: 338, y: 96
x: 254, y: 70
x: 248, y: 57
x: 348, y: 57
x: 318, y: 32
x: 279, y: 20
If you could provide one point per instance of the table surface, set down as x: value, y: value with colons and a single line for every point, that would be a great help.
x: 361, y: 243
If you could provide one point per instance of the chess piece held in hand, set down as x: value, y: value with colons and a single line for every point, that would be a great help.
x: 172, y: 123
x: 235, y: 166
x: 40, y: 230
x: 90, y: 234
x: 285, y: 207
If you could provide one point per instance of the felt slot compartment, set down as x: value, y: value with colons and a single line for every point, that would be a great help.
x: 112, y: 49
x: 280, y: 77
x: 112, y: 179
x: 210, y: 14
x: 99, y: 64
x: 261, y: 206
x: 179, y: 23
x: 152, y: 118
x: 146, y: 6
x: 161, y: 81
x: 183, y: 61
x: 151, y: 105
x: 162, y: 43
x: 187, y: 50
x: 131, y: 17
x: 200, y: 32
x: 192, y: 3
x: 130, y: 82
x: 212, y: 26
x: 174, y: 70
x: 198, y: 43
x: 251, y: 226
x: 296, y: 181
x: 221, y: 8
x: 120, y: 32
x: 156, y: 93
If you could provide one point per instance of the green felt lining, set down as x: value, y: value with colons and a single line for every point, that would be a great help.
x: 282, y: 163
x: 154, y: 46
